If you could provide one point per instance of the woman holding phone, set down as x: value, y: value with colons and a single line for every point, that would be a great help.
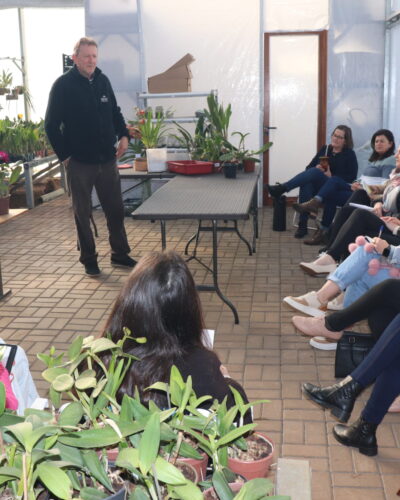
x: 336, y: 159
x: 336, y: 192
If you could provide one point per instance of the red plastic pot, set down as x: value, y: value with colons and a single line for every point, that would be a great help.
x: 254, y: 468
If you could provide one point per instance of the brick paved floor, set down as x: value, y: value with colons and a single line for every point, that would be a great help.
x: 52, y: 301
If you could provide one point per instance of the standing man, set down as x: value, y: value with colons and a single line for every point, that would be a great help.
x: 83, y: 124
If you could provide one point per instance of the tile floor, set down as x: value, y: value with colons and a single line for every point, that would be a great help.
x: 52, y: 301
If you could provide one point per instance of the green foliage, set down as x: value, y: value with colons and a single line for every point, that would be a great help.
x: 64, y: 453
x: 6, y: 79
x: 239, y: 153
x: 21, y: 138
x: 218, y: 116
x: 9, y: 175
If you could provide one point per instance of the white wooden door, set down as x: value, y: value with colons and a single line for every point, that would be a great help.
x: 295, y: 102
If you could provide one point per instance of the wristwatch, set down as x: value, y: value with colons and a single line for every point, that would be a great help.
x: 386, y: 251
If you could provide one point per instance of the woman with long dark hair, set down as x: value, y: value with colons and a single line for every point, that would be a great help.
x: 160, y: 302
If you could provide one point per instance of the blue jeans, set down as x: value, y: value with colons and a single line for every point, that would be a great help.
x: 382, y: 365
x: 310, y: 182
x: 334, y: 193
x: 352, y: 275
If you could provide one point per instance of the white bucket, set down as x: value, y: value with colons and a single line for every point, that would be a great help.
x: 156, y: 159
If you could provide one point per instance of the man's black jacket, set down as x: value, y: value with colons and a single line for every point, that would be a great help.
x: 83, y: 119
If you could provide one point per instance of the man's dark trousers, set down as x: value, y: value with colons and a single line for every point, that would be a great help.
x: 104, y: 177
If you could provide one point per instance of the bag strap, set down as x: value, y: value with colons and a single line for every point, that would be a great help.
x: 11, y: 356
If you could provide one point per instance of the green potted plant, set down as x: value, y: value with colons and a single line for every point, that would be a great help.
x: 152, y: 130
x: 6, y: 79
x: 63, y: 452
x: 9, y: 174
x: 240, y: 155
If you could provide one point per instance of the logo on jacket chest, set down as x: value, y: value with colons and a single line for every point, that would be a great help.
x: 104, y: 98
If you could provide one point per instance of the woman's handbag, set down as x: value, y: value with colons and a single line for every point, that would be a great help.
x: 351, y: 350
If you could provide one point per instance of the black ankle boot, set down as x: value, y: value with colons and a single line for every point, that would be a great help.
x: 276, y: 190
x: 301, y: 231
x: 337, y: 398
x: 361, y: 435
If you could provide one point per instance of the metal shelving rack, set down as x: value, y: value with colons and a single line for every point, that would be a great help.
x: 143, y: 97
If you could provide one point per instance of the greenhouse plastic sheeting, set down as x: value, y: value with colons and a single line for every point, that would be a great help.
x: 296, y: 15
x: 115, y: 27
x: 224, y: 38
x: 393, y: 101
x: 356, y: 66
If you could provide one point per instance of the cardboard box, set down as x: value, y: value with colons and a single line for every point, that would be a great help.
x: 177, y: 78
x: 169, y: 85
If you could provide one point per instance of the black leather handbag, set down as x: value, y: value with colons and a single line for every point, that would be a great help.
x: 351, y: 350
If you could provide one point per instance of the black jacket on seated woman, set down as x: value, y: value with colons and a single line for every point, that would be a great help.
x: 160, y: 302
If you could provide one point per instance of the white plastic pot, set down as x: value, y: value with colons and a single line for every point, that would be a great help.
x: 156, y: 159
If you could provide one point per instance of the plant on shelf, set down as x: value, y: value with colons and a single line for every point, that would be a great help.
x: 20, y: 138
x: 239, y: 153
x: 6, y: 79
x: 152, y: 128
x: 218, y: 117
x: 9, y: 175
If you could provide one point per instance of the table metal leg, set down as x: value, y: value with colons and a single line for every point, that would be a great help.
x: 3, y: 293
x: 163, y: 236
x: 215, y: 287
x: 196, y: 237
x: 146, y: 189
x: 236, y: 229
x: 254, y: 214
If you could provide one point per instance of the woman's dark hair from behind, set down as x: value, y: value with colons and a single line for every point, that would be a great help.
x: 160, y: 302
x: 390, y: 137
x: 348, y: 136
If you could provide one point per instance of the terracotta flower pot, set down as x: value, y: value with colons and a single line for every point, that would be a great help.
x: 141, y: 165
x: 4, y: 205
x: 187, y: 470
x: 199, y: 465
x: 249, y: 165
x: 254, y: 468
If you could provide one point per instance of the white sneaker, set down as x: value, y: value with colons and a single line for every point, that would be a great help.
x: 323, y: 344
x: 315, y: 269
x: 308, y: 304
x: 336, y: 304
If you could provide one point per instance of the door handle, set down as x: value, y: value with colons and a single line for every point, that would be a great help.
x: 269, y: 128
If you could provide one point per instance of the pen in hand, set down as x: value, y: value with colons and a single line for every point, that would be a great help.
x: 381, y: 231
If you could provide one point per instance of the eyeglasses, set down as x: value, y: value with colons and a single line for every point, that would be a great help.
x: 338, y: 136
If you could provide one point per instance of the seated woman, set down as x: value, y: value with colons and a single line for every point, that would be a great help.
x: 351, y: 221
x: 379, y: 306
x: 342, y: 164
x: 160, y: 302
x: 352, y: 275
x: 382, y: 366
x: 336, y: 192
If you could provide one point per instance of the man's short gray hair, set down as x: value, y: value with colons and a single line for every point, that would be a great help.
x: 85, y: 40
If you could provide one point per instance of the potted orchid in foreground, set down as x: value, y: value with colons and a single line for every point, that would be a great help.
x: 148, y: 131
